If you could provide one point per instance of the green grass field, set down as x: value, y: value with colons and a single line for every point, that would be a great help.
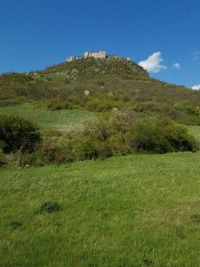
x: 141, y: 210
x: 63, y: 120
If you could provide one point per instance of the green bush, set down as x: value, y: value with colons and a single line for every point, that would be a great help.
x: 160, y: 136
x: 124, y: 132
x: 147, y: 138
x: 53, y: 151
x: 115, y: 133
x: 179, y: 138
x: 87, y: 148
x: 17, y: 134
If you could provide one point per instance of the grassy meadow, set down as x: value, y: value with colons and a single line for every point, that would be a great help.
x: 62, y: 120
x: 141, y: 210
x: 138, y: 210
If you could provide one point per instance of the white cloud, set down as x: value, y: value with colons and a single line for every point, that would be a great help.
x: 176, y: 65
x: 196, y: 87
x: 153, y: 63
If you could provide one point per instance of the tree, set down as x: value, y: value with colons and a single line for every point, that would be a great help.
x: 18, y: 134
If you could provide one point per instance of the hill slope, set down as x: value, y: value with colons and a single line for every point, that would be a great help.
x: 101, y: 85
x: 87, y: 68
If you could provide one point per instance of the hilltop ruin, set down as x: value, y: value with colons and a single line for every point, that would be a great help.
x: 98, y: 54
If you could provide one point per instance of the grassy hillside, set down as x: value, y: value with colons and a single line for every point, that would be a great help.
x: 92, y: 67
x: 101, y: 85
x: 62, y: 120
x: 138, y: 210
x: 125, y: 211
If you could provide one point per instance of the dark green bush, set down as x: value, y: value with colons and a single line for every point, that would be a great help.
x: 160, y: 136
x: 178, y: 137
x: 88, y: 148
x: 18, y: 134
x: 124, y: 132
x: 54, y: 151
x: 147, y: 138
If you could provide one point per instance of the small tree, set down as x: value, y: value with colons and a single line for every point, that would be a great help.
x: 18, y: 134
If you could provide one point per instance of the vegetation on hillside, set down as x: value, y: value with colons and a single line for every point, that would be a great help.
x: 115, y: 133
x: 113, y: 85
x: 101, y: 85
x: 17, y: 134
x: 136, y: 210
x: 91, y: 67
x: 59, y: 120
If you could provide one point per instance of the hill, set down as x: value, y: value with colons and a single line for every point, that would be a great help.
x: 101, y: 85
x: 131, y: 210
x: 91, y: 67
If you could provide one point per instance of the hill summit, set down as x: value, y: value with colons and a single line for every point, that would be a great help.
x: 98, y: 64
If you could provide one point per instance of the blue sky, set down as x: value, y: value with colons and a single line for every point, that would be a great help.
x: 38, y: 33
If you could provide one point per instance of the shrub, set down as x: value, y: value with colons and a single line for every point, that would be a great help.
x: 91, y: 149
x: 114, y: 133
x: 17, y: 134
x: 179, y: 138
x: 147, y: 138
x: 160, y: 136
x: 124, y: 132
x: 103, y: 137
x: 85, y: 149
x: 53, y: 151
